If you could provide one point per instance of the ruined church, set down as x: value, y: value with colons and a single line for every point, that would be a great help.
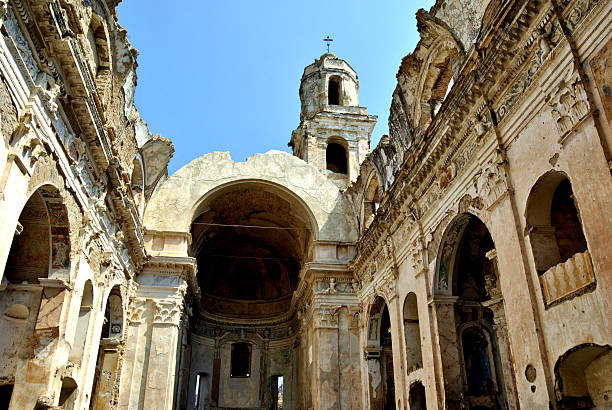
x: 465, y: 262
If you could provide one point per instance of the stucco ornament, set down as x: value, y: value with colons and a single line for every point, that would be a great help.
x: 491, y: 182
x: 569, y: 103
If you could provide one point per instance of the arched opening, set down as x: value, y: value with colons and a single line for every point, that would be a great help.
x: 412, y: 334
x: 250, y: 239
x: 137, y: 183
x: 108, y: 361
x: 476, y: 332
x: 336, y: 158
x: 100, y: 62
x: 68, y: 393
x: 80, y: 336
x: 583, y: 377
x: 557, y: 240
x: 334, y: 91
x: 438, y: 81
x: 416, y: 396
x: 30, y: 254
x: 40, y: 250
x: 379, y: 356
x: 371, y: 201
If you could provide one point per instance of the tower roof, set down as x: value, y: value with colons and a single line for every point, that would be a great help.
x: 330, y: 62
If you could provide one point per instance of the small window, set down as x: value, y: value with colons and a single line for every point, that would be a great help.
x: 334, y: 91
x: 336, y: 158
x: 241, y: 360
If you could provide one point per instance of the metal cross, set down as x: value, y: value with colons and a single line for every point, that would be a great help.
x: 328, y: 40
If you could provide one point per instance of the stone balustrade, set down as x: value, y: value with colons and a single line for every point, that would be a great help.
x: 567, y: 278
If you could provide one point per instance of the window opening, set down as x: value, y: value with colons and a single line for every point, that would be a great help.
x: 241, y: 360
x: 202, y: 391
x: 333, y: 91
x: 277, y: 392
x: 336, y: 158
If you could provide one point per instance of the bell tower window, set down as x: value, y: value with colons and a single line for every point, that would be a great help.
x: 336, y: 158
x: 334, y: 91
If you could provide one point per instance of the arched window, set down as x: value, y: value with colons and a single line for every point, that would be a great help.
x: 583, y: 377
x: 412, y: 333
x: 80, y: 337
x: 555, y: 231
x: 379, y: 355
x: 334, y: 91
x: 336, y: 158
x: 416, y: 396
x: 138, y: 186
x: 371, y: 201
x: 241, y: 360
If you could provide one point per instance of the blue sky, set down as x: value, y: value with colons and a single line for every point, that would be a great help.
x: 225, y: 75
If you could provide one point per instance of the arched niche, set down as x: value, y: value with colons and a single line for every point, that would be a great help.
x: 334, y: 90
x: 371, y: 200
x: 583, y: 377
x: 82, y: 326
x: 379, y: 357
x: 175, y: 202
x: 41, y: 244
x: 336, y: 156
x: 250, y: 240
x: 137, y: 183
x: 558, y: 244
x: 412, y: 333
x: 416, y: 396
x: 100, y: 56
x: 109, y: 358
x: 471, y: 316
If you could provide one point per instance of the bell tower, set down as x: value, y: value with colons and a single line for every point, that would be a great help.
x: 334, y: 131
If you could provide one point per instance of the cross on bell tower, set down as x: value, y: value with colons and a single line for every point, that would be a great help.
x: 328, y: 40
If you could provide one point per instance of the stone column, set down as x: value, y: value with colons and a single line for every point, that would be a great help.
x: 496, y: 304
x: 447, y: 350
x: 106, y: 395
x: 149, y: 373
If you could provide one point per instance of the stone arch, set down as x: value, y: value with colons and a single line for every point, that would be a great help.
x: 542, y: 203
x: 372, y: 197
x: 558, y: 244
x: 46, y: 173
x: 412, y: 333
x: 447, y: 251
x: 424, y: 75
x: 477, y: 357
x: 583, y: 377
x: 83, y: 321
x: 334, y: 90
x: 109, y: 358
x: 98, y: 37
x: 379, y: 356
x: 43, y: 220
x: 172, y: 206
x: 256, y: 227
x: 138, y: 183
x: 416, y: 396
x: 280, y: 189
x: 467, y: 296
x: 336, y: 156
